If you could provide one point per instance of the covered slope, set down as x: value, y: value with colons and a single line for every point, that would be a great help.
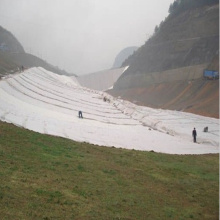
x: 48, y: 103
x: 101, y: 80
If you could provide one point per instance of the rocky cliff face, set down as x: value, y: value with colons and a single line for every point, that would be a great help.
x: 167, y: 71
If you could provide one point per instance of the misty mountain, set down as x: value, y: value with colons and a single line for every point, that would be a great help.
x: 167, y: 71
x: 185, y: 39
x: 9, y: 43
x: 123, y: 55
x: 13, y: 56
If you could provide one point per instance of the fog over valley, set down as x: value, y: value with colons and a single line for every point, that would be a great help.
x: 81, y: 36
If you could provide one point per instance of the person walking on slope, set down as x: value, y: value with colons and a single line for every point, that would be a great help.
x: 194, y: 134
x: 80, y: 114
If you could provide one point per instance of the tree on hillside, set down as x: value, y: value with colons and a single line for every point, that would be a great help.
x: 181, y: 5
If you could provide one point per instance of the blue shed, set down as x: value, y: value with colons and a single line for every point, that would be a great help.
x: 211, y: 74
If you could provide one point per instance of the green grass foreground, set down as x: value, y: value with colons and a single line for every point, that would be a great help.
x: 46, y: 177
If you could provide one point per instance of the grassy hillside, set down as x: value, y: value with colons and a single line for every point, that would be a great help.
x: 45, y: 177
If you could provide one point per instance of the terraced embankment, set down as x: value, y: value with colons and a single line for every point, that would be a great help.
x: 182, y: 89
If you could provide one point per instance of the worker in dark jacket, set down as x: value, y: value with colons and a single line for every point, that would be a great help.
x: 80, y: 114
x: 194, y: 134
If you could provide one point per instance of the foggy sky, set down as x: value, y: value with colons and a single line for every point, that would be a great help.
x: 81, y: 36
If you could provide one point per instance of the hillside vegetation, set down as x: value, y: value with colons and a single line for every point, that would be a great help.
x: 13, y: 56
x: 185, y: 44
x: 46, y: 177
x: 9, y: 43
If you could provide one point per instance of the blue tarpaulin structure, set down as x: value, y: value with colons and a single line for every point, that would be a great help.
x: 211, y: 74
